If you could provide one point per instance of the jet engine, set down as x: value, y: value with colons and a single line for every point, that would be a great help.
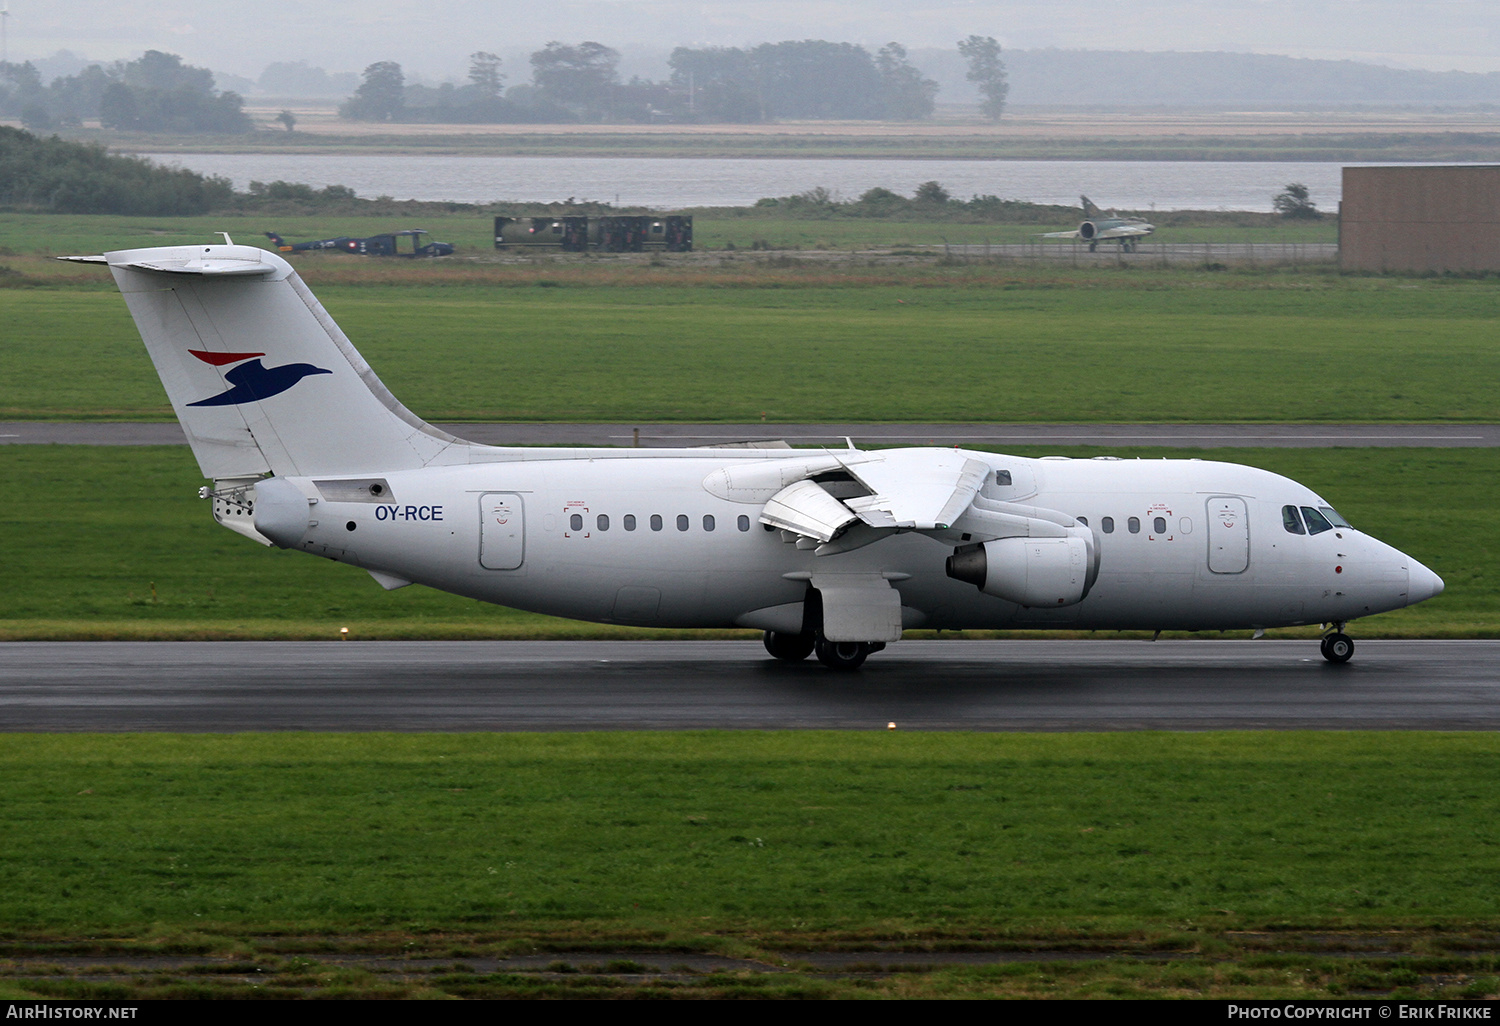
x: 1037, y: 572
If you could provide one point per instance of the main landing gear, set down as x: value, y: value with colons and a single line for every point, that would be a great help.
x: 836, y: 655
x: 1336, y: 646
x: 789, y: 648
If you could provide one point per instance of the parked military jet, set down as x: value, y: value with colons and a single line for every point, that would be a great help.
x: 375, y: 245
x: 1100, y: 227
x: 833, y: 551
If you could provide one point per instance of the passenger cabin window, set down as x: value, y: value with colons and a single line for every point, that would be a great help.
x: 656, y: 521
x: 1108, y: 523
x: 1084, y: 521
x: 708, y: 521
x: 603, y: 522
x: 1159, y: 525
x: 743, y: 523
x: 682, y: 522
x: 576, y: 521
x: 1002, y: 478
x: 1134, y: 523
x: 630, y: 521
x: 1292, y: 520
x: 1316, y: 522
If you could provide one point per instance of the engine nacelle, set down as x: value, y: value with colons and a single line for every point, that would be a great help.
x: 1037, y: 572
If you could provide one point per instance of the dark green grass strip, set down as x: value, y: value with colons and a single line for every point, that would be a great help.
x: 803, y: 837
x: 814, y: 345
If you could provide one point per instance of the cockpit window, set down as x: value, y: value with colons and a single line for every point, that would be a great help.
x: 1291, y: 520
x: 1316, y: 522
x: 1332, y: 515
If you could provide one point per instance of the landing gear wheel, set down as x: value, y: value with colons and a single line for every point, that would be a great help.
x: 1337, y: 648
x: 843, y: 655
x: 789, y: 648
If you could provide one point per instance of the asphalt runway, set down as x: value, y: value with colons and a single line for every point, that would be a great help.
x: 667, y: 685
x: 1206, y: 436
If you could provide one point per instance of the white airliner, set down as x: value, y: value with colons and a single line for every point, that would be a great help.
x: 832, y: 551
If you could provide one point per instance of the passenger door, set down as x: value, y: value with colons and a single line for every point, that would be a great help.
x: 1228, y: 535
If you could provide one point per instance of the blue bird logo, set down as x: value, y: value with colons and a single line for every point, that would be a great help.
x: 253, y: 380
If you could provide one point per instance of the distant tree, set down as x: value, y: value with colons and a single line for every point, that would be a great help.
x: 932, y: 192
x: 74, y: 98
x: 906, y: 94
x: 165, y: 71
x: 581, y: 77
x: 1294, y: 202
x: 813, y: 78
x: 20, y: 84
x: 288, y: 119
x: 166, y: 95
x: 117, y: 107
x: 987, y: 71
x: 37, y: 118
x: 718, y: 83
x: 380, y: 97
x: 485, y: 75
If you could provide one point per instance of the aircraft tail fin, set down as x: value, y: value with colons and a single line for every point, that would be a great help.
x: 258, y: 373
x: 1089, y: 210
x: 280, y: 243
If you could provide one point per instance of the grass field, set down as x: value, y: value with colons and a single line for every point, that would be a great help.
x: 808, y: 342
x: 762, y: 844
x: 142, y: 558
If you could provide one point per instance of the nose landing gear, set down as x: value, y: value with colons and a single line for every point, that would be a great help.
x: 1336, y: 646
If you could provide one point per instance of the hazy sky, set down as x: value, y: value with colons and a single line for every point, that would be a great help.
x: 434, y: 37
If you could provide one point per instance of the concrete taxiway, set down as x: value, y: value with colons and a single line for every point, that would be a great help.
x: 920, y: 685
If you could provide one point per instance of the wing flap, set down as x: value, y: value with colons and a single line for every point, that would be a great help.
x: 806, y: 509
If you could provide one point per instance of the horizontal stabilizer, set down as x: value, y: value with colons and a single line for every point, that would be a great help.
x: 206, y: 268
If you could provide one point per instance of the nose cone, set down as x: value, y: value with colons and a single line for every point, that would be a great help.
x: 1424, y: 584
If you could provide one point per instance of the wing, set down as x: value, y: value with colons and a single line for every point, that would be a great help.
x: 1074, y: 234
x: 1126, y: 231
x: 847, y: 500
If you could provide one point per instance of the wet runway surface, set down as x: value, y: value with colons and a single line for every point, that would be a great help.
x: 924, y: 685
x: 1207, y: 436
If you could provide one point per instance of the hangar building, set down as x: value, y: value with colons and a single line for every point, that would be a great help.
x: 1424, y: 219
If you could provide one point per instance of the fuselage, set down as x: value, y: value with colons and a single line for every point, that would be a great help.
x: 1181, y: 544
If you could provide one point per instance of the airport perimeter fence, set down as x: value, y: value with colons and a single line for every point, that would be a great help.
x: 1161, y: 254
